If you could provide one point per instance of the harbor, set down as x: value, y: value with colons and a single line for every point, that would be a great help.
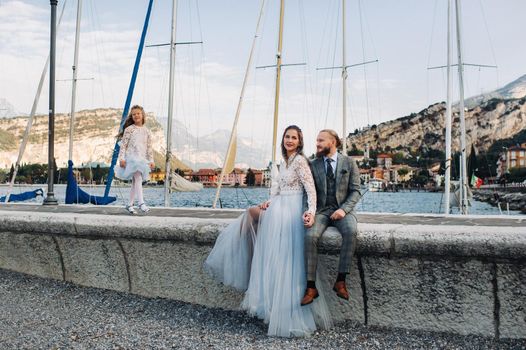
x: 116, y: 189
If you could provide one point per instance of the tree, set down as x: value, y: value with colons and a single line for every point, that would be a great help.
x: 11, y: 171
x: 398, y: 158
x: 472, y: 162
x: 354, y: 151
x: 403, y: 172
x: 55, y: 172
x: 517, y: 175
x: 250, y: 179
x: 97, y: 174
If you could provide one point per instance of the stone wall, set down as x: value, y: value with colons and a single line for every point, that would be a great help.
x: 452, y: 278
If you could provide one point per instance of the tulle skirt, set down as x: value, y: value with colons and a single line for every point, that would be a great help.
x: 133, y: 164
x: 270, y: 266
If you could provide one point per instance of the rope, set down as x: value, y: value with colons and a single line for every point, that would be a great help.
x: 489, y: 39
x: 332, y: 70
x: 364, y: 67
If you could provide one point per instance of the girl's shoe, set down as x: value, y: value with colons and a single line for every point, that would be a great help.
x: 130, y: 209
x: 144, y: 208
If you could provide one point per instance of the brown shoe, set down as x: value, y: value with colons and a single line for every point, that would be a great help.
x: 310, y: 295
x: 341, y: 290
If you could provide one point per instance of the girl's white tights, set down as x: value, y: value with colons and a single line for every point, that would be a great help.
x: 136, y: 189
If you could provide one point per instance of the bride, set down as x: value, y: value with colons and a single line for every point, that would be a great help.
x: 269, y: 266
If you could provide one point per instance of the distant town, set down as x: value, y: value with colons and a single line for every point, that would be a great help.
x: 380, y: 170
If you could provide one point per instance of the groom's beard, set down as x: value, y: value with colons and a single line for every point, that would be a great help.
x: 324, y: 152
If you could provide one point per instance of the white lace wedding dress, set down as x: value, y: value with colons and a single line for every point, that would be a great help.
x: 269, y: 265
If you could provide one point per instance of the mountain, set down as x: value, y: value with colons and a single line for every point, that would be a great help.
x: 7, y: 110
x: 515, y: 89
x: 93, y: 141
x: 208, y: 151
x: 493, y: 120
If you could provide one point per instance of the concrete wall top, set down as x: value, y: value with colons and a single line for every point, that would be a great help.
x: 492, y: 242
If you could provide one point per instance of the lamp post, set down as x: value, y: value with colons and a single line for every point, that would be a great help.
x: 50, y: 197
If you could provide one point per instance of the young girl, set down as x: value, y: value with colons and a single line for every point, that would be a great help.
x: 135, y: 156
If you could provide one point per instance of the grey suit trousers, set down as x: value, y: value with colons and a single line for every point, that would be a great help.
x: 347, y: 227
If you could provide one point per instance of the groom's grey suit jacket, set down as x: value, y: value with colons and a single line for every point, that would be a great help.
x: 347, y: 183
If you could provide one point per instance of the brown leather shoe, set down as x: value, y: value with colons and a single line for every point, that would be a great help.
x: 341, y: 290
x: 310, y: 295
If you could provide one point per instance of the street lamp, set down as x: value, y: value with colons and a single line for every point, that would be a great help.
x: 50, y: 197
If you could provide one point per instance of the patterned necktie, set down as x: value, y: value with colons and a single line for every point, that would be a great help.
x: 330, y: 173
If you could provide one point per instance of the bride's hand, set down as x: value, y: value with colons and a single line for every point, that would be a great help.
x: 264, y: 205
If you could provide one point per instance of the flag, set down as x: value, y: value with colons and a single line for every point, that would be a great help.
x: 476, y: 181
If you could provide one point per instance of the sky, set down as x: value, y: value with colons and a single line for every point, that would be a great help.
x: 405, y: 36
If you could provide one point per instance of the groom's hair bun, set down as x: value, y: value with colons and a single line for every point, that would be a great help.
x: 334, y: 134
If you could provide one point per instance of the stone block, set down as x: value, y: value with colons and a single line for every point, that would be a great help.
x: 31, y: 254
x: 94, y: 263
x: 460, y: 241
x: 175, y: 271
x: 340, y: 309
x: 511, y: 281
x: 441, y: 295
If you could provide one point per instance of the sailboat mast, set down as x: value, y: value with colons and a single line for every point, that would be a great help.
x: 170, y: 107
x: 344, y: 84
x: 447, y: 184
x: 74, y: 80
x: 129, y: 96
x: 463, y: 167
x: 278, y: 77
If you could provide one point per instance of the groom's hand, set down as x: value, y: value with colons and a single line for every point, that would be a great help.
x: 308, y: 220
x: 338, y: 215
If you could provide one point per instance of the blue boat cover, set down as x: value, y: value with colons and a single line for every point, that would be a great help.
x: 74, y: 194
x: 24, y: 196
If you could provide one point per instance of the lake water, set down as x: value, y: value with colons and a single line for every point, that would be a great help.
x: 387, y: 202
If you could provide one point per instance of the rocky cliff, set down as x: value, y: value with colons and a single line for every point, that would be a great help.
x: 486, y: 123
x: 93, y: 140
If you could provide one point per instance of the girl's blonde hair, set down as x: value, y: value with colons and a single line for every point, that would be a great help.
x: 129, y: 119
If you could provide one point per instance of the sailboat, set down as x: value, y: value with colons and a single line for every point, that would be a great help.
x: 230, y: 157
x: 173, y: 181
x: 461, y: 192
x: 74, y: 194
x: 29, y: 194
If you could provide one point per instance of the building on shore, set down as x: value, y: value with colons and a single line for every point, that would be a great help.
x: 208, y: 177
x: 511, y: 157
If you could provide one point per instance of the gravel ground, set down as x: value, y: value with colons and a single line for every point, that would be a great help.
x: 45, y: 314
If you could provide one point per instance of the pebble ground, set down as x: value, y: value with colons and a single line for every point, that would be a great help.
x: 44, y: 314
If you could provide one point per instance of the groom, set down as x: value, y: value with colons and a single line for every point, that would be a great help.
x: 337, y: 181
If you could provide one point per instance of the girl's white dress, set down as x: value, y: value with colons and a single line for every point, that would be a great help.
x: 267, y: 261
x: 136, y: 150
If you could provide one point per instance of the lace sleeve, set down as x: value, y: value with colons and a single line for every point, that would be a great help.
x: 124, y: 143
x: 305, y: 176
x: 274, y: 180
x: 149, y: 148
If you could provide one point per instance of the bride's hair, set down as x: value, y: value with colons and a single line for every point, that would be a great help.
x: 299, y: 150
